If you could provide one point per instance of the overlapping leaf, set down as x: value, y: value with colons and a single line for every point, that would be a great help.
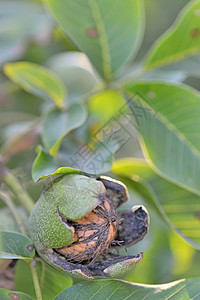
x: 179, y: 47
x: 101, y: 29
x: 116, y: 290
x: 75, y: 70
x: 93, y: 161
x: 15, y: 246
x: 105, y: 107
x: 57, y: 124
x: 177, y: 206
x: 167, y: 117
x: 37, y: 80
x: 45, y: 165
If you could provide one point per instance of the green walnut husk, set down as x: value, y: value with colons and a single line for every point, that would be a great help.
x: 57, y: 222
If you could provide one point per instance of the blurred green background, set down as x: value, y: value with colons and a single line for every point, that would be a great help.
x: 28, y: 33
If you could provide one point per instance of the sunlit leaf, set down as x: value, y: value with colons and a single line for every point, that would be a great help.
x: 51, y: 281
x: 37, y: 80
x: 179, y: 47
x: 100, y: 29
x: 116, y: 290
x: 15, y: 246
x: 179, y: 207
x: 105, y: 106
x: 167, y: 118
x: 184, y: 255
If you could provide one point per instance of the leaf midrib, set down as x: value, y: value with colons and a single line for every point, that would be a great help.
x: 181, y: 56
x: 105, y: 51
x: 171, y: 126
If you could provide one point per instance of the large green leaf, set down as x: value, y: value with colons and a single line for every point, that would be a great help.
x: 13, y: 295
x: 178, y: 207
x: 184, y: 289
x: 37, y: 80
x: 51, y: 281
x: 15, y: 246
x: 167, y: 117
x: 101, y: 29
x: 179, y: 47
x: 57, y: 124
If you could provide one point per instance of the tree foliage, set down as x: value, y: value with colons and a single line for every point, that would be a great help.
x: 77, y: 87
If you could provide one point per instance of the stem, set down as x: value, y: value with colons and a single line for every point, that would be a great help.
x: 35, y: 280
x: 10, y: 180
x: 14, y: 212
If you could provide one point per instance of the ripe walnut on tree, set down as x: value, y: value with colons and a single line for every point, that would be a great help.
x: 75, y: 226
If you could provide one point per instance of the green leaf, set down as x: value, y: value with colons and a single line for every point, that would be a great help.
x: 43, y: 164
x: 179, y: 208
x: 51, y: 281
x: 57, y: 124
x: 101, y: 28
x: 75, y: 70
x: 188, y: 66
x: 15, y: 246
x: 167, y: 117
x: 37, y: 80
x: 183, y: 289
x: 12, y: 295
x: 180, y: 45
x: 87, y: 158
x: 63, y: 171
x: 46, y: 165
x: 137, y: 74
x: 105, y: 106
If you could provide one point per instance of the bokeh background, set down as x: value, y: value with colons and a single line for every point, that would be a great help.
x: 28, y: 33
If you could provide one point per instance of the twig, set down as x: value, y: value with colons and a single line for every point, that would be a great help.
x: 14, y: 211
x: 35, y: 280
